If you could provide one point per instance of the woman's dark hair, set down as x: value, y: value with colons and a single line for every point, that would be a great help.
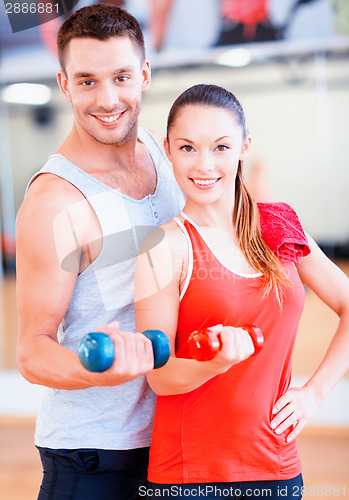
x: 208, y: 95
x: 246, y: 213
x: 101, y: 22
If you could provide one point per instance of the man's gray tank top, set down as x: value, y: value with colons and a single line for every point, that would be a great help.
x: 114, y: 418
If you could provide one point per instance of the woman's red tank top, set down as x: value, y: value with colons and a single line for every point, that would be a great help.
x: 220, y: 432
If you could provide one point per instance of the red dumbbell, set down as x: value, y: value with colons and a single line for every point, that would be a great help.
x: 203, y: 345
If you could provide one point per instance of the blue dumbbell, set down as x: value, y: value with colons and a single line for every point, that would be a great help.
x: 96, y: 350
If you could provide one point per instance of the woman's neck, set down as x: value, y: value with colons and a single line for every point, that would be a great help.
x: 213, y: 215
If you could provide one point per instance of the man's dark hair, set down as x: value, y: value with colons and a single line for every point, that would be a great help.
x: 101, y: 22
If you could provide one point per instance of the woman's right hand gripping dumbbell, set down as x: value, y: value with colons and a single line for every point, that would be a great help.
x: 224, y: 346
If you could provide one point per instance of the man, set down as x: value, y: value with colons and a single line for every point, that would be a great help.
x: 79, y: 229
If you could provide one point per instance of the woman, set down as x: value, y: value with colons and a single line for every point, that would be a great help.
x: 228, y: 425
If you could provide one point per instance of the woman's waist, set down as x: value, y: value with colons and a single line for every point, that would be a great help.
x: 237, y: 402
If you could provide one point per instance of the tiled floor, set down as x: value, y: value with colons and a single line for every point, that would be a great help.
x: 325, y: 459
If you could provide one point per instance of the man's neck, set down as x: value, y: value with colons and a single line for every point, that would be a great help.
x: 92, y: 156
x: 127, y: 167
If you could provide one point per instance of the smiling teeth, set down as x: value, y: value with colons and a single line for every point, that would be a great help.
x: 202, y: 182
x: 108, y: 119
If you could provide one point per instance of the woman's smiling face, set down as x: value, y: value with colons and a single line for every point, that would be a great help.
x: 204, y: 145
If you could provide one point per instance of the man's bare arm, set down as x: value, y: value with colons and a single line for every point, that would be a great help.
x: 44, y: 291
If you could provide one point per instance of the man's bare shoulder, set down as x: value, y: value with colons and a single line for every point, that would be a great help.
x: 49, y: 195
x: 53, y: 202
x: 53, y: 189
